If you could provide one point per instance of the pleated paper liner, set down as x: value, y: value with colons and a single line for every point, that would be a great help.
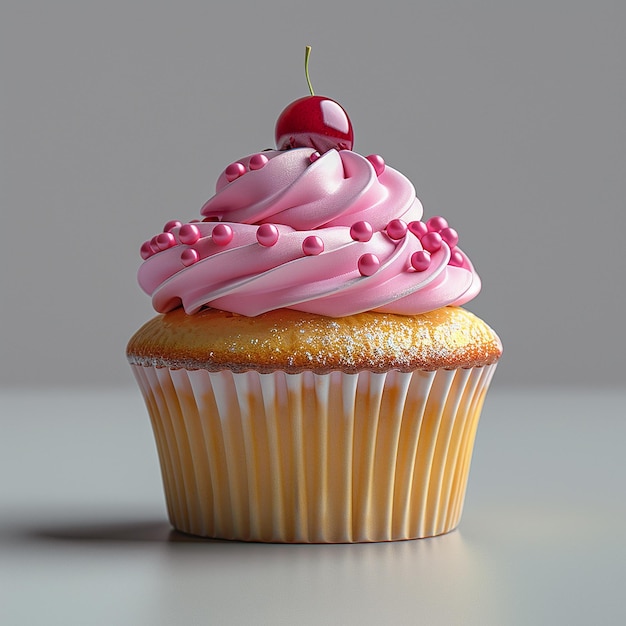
x: 314, y: 458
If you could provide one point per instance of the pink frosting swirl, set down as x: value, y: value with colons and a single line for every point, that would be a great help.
x: 336, y: 234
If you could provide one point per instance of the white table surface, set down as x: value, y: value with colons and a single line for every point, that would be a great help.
x: 84, y: 537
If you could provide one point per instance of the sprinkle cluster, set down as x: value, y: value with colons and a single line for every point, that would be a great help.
x: 431, y: 235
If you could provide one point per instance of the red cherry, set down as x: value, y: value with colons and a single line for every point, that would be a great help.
x: 314, y: 122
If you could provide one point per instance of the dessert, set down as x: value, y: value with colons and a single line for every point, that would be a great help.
x: 311, y: 376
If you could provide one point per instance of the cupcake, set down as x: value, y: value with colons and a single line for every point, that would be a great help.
x: 311, y: 376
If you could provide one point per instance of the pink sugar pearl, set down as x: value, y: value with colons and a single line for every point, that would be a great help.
x: 368, y: 264
x: 258, y: 161
x: 312, y: 245
x: 432, y: 241
x: 154, y: 245
x: 437, y: 223
x: 234, y: 171
x: 361, y: 231
x: 456, y: 258
x: 267, y: 235
x: 378, y: 163
x: 169, y: 226
x: 165, y: 241
x: 222, y: 234
x: 419, y: 229
x: 450, y: 236
x: 189, y: 256
x: 396, y: 229
x: 420, y: 260
x: 189, y: 234
x: 146, y: 250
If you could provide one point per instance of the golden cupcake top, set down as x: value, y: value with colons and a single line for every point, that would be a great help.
x: 293, y: 341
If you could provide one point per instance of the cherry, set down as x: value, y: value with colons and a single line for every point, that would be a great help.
x: 314, y: 122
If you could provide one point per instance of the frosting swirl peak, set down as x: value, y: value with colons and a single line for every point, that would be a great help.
x: 334, y: 234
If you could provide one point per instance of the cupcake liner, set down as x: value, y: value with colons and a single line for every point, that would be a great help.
x: 314, y: 458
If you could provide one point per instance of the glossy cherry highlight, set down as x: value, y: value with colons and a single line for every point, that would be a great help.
x: 314, y: 122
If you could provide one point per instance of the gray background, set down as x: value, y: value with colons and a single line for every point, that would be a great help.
x: 507, y: 116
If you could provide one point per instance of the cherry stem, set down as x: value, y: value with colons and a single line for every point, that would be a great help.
x: 307, y: 54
